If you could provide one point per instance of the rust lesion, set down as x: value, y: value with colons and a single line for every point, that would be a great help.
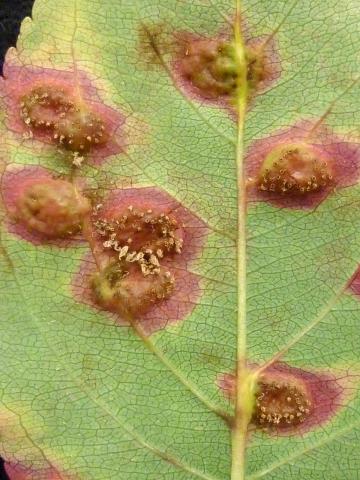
x: 208, y: 68
x: 292, y: 401
x: 54, y: 208
x: 134, y: 240
x: 294, y: 169
x: 69, y: 122
x: 210, y: 65
x: 42, y: 207
x: 139, y: 234
x: 280, y: 405
x: 299, y: 167
x: 141, y: 241
x: 53, y: 107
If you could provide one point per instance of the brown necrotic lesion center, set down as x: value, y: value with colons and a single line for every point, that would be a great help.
x: 280, y: 405
x: 69, y: 122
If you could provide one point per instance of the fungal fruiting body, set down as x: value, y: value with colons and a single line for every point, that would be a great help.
x: 54, y: 208
x: 80, y: 130
x: 141, y: 233
x: 44, y: 105
x: 212, y: 67
x: 122, y: 288
x: 299, y: 167
x: 281, y: 404
x: 69, y: 122
x: 294, y: 170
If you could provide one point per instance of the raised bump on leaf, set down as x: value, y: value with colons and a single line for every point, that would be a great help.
x: 71, y: 123
x: 55, y: 107
x: 44, y: 105
x: 306, y: 156
x: 315, y: 397
x: 181, y: 302
x: 210, y: 66
x: 264, y: 65
x: 42, y: 209
x: 138, y: 232
x: 280, y: 403
x: 207, y: 67
x: 122, y: 288
x: 52, y: 207
x: 293, y: 170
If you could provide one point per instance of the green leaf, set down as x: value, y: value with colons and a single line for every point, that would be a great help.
x: 84, y: 397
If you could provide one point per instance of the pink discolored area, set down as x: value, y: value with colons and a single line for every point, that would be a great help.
x: 19, y: 81
x: 325, y: 392
x: 341, y: 157
x: 182, y: 301
x: 205, y: 67
x: 14, y: 183
x: 354, y: 283
x: 19, y: 472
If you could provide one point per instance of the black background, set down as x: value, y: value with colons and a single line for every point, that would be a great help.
x: 11, y: 14
x: 3, y: 475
